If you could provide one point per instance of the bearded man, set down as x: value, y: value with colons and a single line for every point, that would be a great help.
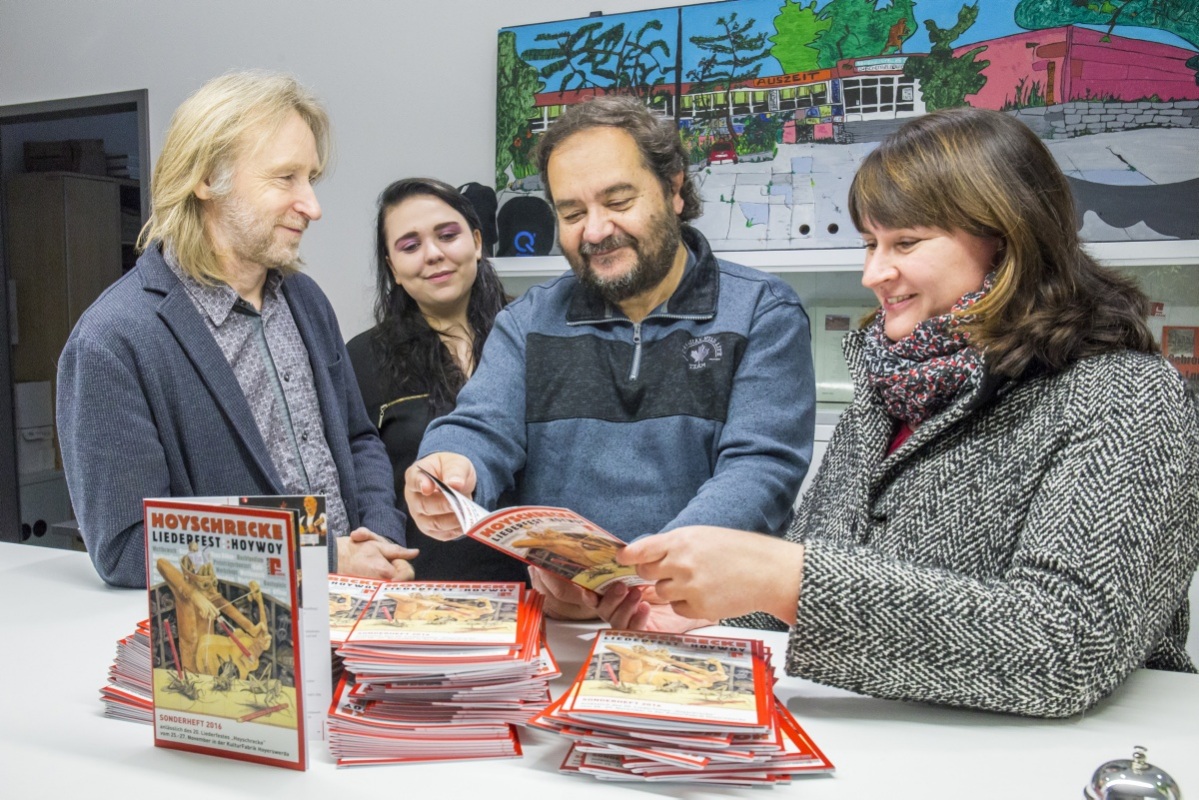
x: 654, y: 386
x: 214, y: 367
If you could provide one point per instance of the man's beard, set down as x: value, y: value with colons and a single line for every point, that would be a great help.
x: 655, y: 253
x: 255, y: 241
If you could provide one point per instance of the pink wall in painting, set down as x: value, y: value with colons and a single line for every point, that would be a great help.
x: 1074, y: 63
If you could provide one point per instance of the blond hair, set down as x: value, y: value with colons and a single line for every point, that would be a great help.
x: 207, y: 134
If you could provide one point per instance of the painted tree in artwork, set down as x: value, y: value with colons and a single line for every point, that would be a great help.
x: 595, y: 57
x: 516, y: 89
x: 857, y: 29
x: 945, y: 80
x: 1180, y: 17
x: 797, y: 26
x: 572, y: 54
x: 637, y: 65
x: 733, y: 56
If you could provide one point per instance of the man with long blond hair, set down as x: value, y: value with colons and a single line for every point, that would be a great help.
x: 214, y: 367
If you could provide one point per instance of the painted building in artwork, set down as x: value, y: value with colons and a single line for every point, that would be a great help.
x: 876, y: 88
x: 771, y: 95
x: 813, y: 99
x: 1060, y: 65
x: 869, y: 88
x: 1047, y: 67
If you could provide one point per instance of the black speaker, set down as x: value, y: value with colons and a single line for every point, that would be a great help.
x: 526, y: 227
x: 482, y: 198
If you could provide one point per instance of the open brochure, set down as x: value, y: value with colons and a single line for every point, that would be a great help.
x: 555, y: 539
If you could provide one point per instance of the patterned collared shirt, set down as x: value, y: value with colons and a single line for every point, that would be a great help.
x: 271, y: 364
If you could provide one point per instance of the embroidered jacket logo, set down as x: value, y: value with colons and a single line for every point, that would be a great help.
x: 701, y: 352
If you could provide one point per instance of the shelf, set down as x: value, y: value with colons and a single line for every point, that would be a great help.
x: 849, y: 259
x: 782, y: 261
x: 131, y: 183
x: 829, y: 413
x: 39, y: 476
x: 1145, y: 253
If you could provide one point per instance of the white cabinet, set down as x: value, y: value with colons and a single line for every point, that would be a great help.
x: 826, y: 420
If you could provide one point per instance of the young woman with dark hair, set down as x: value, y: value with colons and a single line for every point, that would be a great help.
x: 437, y: 299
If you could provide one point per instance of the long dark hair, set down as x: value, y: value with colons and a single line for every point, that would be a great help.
x: 410, y: 352
x: 988, y: 174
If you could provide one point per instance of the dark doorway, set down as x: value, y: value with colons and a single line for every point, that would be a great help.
x: 64, y: 165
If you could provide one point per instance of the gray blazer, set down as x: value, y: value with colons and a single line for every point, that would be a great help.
x: 1024, y: 551
x: 148, y: 406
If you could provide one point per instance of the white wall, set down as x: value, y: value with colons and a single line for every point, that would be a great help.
x: 410, y: 86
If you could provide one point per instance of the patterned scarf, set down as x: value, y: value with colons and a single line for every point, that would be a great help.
x: 921, y: 373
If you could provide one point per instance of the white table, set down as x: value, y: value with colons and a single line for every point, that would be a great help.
x: 60, y: 626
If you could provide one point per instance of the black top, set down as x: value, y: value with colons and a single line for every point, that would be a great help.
x: 401, y: 413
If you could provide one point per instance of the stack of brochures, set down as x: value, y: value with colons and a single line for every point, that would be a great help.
x: 348, y: 598
x: 677, y: 707
x: 128, y: 694
x: 439, y: 671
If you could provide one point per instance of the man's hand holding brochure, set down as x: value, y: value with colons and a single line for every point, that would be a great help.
x: 556, y: 540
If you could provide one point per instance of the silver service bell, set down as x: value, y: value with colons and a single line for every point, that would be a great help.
x: 1135, y: 779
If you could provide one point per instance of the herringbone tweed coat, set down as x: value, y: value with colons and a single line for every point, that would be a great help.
x: 1024, y: 551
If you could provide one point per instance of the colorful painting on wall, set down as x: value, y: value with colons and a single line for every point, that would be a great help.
x: 777, y: 101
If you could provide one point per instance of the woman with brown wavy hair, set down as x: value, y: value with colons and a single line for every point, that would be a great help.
x: 1007, y: 516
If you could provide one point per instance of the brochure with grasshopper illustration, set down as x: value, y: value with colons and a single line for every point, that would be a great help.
x: 226, y: 630
x: 555, y: 539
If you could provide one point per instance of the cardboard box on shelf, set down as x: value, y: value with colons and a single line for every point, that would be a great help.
x: 69, y: 155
